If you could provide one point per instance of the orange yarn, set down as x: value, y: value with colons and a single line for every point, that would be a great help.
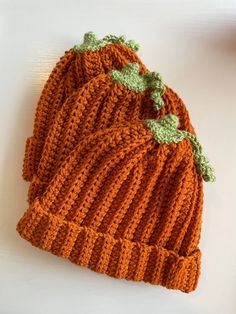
x: 98, y: 104
x: 104, y: 193
x: 70, y: 73
x: 123, y: 205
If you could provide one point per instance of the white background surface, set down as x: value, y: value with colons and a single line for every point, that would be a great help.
x: 193, y: 45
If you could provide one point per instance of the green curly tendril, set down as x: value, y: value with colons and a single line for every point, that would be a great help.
x: 129, y: 76
x: 91, y: 42
x: 165, y: 131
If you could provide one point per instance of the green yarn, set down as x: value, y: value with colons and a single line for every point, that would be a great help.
x: 165, y: 132
x: 91, y: 42
x: 130, y: 77
x: 159, y: 88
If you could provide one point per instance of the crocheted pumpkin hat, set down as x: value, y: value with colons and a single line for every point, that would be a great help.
x: 127, y: 202
x: 108, y: 99
x: 72, y: 71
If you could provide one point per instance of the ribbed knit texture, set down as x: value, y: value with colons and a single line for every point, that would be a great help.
x: 98, y: 104
x: 116, y: 169
x: 124, y: 205
x: 71, y: 72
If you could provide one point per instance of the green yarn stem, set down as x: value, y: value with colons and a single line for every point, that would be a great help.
x: 165, y: 132
x: 129, y: 76
x: 91, y: 42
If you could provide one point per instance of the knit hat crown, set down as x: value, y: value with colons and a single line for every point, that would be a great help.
x: 108, y: 99
x: 72, y: 71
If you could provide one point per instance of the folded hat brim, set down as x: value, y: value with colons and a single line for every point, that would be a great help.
x: 103, y: 253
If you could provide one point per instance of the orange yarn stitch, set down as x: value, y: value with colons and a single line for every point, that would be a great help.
x: 98, y: 104
x: 123, y: 205
x: 70, y: 73
x: 104, y: 193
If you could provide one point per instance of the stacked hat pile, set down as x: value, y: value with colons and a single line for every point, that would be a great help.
x: 115, y: 168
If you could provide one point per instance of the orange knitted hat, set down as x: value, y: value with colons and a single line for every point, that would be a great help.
x: 127, y: 202
x: 75, y: 68
x: 107, y: 99
x: 116, y: 168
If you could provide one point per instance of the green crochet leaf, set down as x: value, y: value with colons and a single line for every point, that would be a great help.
x: 165, y: 132
x: 91, y: 42
x: 130, y: 76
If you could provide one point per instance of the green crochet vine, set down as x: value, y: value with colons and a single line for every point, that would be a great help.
x: 165, y: 131
x: 91, y: 42
x: 129, y: 76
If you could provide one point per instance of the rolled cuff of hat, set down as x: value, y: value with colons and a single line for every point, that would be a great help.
x: 103, y: 253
